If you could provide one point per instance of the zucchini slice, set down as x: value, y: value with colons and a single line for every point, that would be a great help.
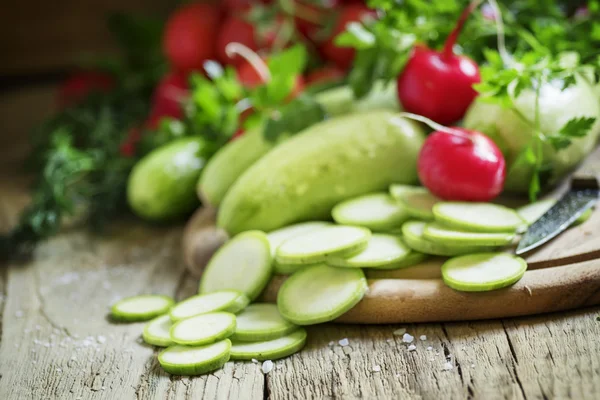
x: 377, y: 212
x: 195, y: 360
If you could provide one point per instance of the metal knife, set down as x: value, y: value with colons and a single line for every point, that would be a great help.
x: 583, y: 195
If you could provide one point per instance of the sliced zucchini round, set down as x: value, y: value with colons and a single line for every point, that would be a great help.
x: 276, y: 238
x: 270, y: 349
x: 259, y: 322
x: 532, y: 212
x: 377, y: 212
x: 417, y: 201
x: 232, y: 301
x: 320, y: 293
x: 382, y: 251
x: 477, y: 217
x: 317, y: 245
x: 244, y: 264
x: 413, y: 237
x: 195, y: 360
x: 156, y: 332
x: 442, y: 234
x: 141, y: 308
x: 483, y: 272
x: 203, y: 329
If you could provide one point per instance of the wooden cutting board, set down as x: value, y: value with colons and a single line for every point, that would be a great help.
x: 564, y: 274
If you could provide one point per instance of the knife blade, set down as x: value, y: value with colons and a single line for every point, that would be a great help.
x: 582, y: 196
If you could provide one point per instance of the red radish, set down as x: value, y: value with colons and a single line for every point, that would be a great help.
x: 342, y: 56
x: 439, y: 85
x: 80, y: 84
x: 189, y: 35
x: 324, y: 75
x: 169, y: 95
x: 311, y: 16
x: 461, y: 167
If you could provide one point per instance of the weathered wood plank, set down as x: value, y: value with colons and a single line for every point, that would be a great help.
x: 58, y: 343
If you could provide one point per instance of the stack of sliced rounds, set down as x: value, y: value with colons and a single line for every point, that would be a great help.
x: 417, y: 201
x: 260, y: 322
x: 483, y: 272
x: 276, y: 238
x: 270, y: 349
x: 141, y: 308
x: 439, y: 233
x: 477, y: 217
x: 383, y: 251
x: 329, y: 241
x: 232, y: 301
x: 157, y: 331
x: 195, y: 360
x: 378, y: 212
x: 415, y: 239
x: 244, y: 264
x: 320, y: 293
x: 203, y: 329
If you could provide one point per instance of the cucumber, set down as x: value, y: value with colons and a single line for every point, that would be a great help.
x: 271, y: 349
x: 237, y: 156
x: 141, y: 308
x: 320, y: 293
x: 161, y: 186
x: 378, y: 212
x: 427, y: 269
x: 156, y: 332
x: 413, y: 237
x: 383, y: 251
x: 477, y: 217
x: 334, y: 160
x: 318, y: 245
x: 417, y: 201
x: 196, y: 360
x: 232, y: 301
x: 244, y: 264
x: 532, y: 212
x: 261, y: 321
x: 483, y: 272
x: 203, y: 329
x: 439, y: 233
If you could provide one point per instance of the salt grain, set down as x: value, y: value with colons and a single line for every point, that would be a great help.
x: 58, y: 370
x: 19, y: 314
x: 423, y: 337
x: 399, y: 332
x: 267, y: 366
x: 101, y: 339
x: 412, y: 347
x: 332, y: 343
x: 448, y: 366
x: 344, y: 342
x: 429, y: 348
x: 255, y: 361
x: 407, y: 338
x: 472, y: 365
x: 376, y: 368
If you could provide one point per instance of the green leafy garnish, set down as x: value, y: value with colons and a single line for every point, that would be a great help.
x: 575, y: 128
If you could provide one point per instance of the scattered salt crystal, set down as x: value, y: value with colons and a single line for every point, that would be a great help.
x: 412, y: 347
x: 332, y: 343
x: 448, y: 366
x: 472, y: 365
x: 397, y: 375
x: 429, y: 348
x: 101, y: 339
x: 389, y: 340
x: 103, y: 388
x: 400, y: 331
x: 423, y: 337
x: 73, y: 358
x: 267, y: 366
x: 407, y: 338
x: 255, y: 361
x: 19, y: 314
x: 376, y: 368
x: 344, y: 342
x: 58, y: 370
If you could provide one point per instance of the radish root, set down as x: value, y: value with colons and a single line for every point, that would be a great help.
x: 235, y: 48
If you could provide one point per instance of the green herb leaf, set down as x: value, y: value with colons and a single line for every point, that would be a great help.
x: 574, y: 128
x: 299, y: 114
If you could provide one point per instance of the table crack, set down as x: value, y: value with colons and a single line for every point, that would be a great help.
x: 42, y: 309
x: 515, y: 360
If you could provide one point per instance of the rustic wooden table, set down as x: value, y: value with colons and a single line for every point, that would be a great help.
x: 56, y: 341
